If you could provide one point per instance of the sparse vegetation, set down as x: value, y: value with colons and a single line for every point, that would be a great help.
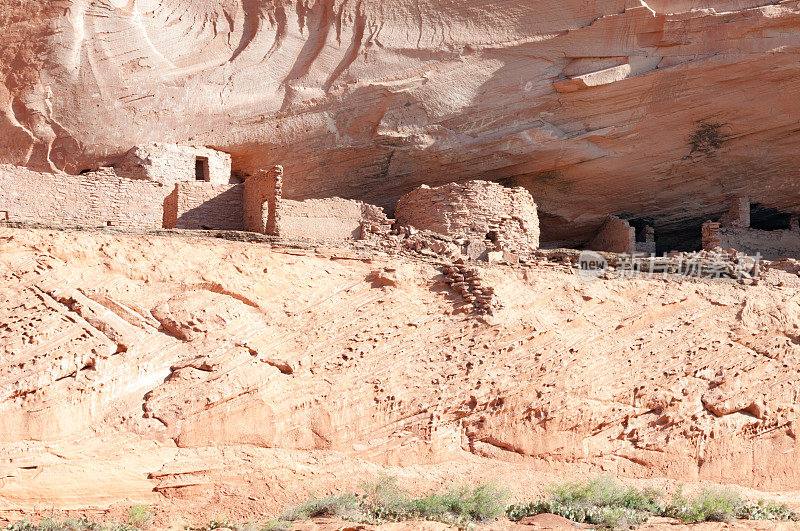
x: 139, y: 516
x: 723, y: 505
x: 599, y: 501
x: 384, y: 501
x: 225, y: 523
x: 602, y: 502
x: 717, y: 505
x: 766, y: 511
x: 342, y: 505
x: 68, y: 524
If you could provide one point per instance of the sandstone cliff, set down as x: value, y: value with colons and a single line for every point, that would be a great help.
x: 661, y: 111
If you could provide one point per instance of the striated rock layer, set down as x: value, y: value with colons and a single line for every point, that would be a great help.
x: 662, y: 111
x: 200, y: 374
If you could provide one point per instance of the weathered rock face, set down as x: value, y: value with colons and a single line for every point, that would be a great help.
x: 660, y: 111
x: 202, y: 375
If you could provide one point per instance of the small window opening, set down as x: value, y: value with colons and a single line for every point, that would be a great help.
x: 201, y: 169
x: 492, y: 236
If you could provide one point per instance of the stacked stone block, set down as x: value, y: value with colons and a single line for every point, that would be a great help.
x: 477, y: 210
x: 615, y: 236
x: 94, y: 199
x: 468, y: 283
x: 263, y: 193
x: 172, y: 163
x: 202, y: 205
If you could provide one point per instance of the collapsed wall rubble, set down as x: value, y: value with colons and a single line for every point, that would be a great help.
x: 467, y: 282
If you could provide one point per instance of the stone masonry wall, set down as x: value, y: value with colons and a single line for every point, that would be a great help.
x: 329, y: 219
x: 201, y: 205
x: 615, y: 236
x: 733, y: 232
x: 710, y: 234
x: 171, y: 163
x: 648, y: 246
x: 262, y: 194
x: 478, y: 210
x: 739, y: 213
x: 98, y: 198
x: 770, y: 244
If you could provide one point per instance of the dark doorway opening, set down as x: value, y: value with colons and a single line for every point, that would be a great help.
x: 766, y: 218
x: 685, y: 235
x: 201, y: 172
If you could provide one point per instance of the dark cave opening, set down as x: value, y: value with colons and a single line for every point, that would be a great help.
x: 767, y: 218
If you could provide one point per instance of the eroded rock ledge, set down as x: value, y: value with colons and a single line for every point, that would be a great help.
x: 661, y: 111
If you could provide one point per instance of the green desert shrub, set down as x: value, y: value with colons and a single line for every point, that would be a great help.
x: 599, y: 501
x: 480, y: 503
x: 603, y: 491
x: 384, y: 501
x: 68, y: 524
x: 766, y: 511
x: 139, y: 516
x: 341, y: 505
x: 709, y: 505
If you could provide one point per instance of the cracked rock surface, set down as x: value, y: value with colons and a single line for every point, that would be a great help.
x: 194, y: 374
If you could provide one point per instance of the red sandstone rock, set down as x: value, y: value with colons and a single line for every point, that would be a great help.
x: 673, y: 107
x: 317, y: 374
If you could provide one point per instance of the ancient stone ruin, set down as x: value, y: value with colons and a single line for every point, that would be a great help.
x: 488, y: 214
x: 616, y: 235
x: 171, y: 163
x: 99, y: 198
x: 734, y: 231
x: 189, y: 187
x: 180, y: 187
x: 267, y: 212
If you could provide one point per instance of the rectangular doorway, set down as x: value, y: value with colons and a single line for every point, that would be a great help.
x: 201, y: 171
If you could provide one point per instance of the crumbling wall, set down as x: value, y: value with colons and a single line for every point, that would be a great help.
x: 770, y: 244
x: 478, y: 210
x: 330, y: 219
x: 648, y: 246
x: 98, y: 198
x: 171, y: 163
x: 201, y: 205
x: 266, y: 212
x: 734, y: 232
x: 615, y: 236
x: 262, y: 194
x: 711, y: 236
x: 739, y: 213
